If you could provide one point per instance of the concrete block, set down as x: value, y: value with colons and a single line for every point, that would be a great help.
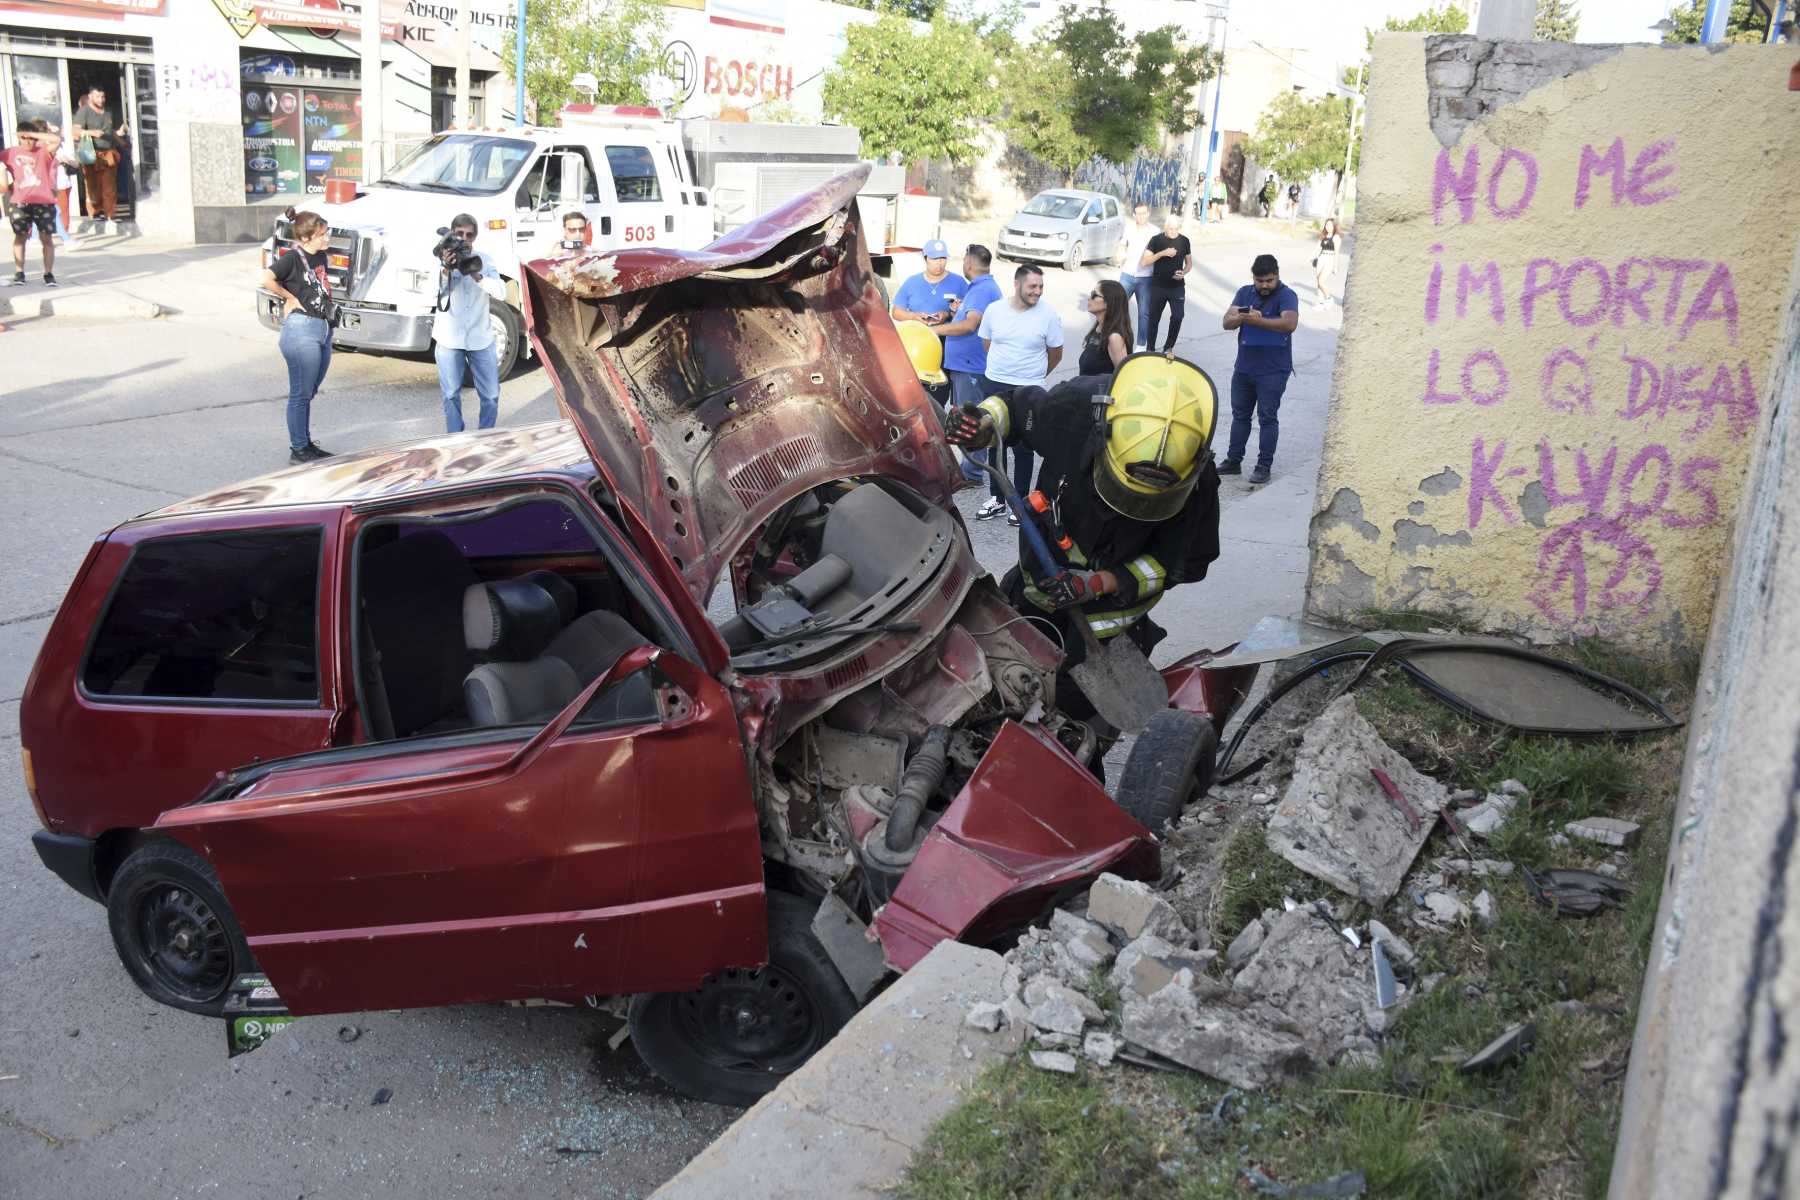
x: 1450, y: 74
x: 1244, y: 945
x: 859, y: 1109
x: 1148, y: 964
x: 1054, y: 1060
x: 1608, y: 831
x: 1131, y: 909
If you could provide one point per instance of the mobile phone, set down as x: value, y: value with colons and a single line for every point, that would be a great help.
x: 1243, y: 308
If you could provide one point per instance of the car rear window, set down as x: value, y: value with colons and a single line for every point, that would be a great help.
x: 229, y: 616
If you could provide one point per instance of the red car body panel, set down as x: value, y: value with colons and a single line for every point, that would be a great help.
x: 713, y: 386
x: 1030, y: 825
x: 558, y: 865
x: 168, y: 750
x: 1210, y: 692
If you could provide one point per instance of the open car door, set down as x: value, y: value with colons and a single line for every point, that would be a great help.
x: 613, y: 850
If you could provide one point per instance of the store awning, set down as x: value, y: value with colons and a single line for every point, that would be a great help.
x: 313, y: 44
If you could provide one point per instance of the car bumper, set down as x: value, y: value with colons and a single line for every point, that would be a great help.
x: 1037, y: 251
x: 71, y: 859
x: 362, y: 328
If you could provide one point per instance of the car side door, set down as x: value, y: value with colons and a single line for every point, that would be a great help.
x: 613, y: 850
x: 645, y: 195
x: 1115, y: 226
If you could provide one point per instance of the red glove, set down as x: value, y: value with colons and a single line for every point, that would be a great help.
x: 1069, y: 588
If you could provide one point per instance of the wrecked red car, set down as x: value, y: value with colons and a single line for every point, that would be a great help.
x: 450, y: 722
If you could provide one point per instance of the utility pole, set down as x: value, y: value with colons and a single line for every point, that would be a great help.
x: 1712, y: 27
x: 372, y: 125
x: 1350, y: 145
x: 1506, y: 20
x: 1216, y: 14
x: 462, y: 119
x: 519, y: 68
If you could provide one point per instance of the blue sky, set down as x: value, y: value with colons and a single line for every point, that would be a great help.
x: 1621, y: 20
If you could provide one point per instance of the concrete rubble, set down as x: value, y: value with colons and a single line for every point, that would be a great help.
x: 1131, y: 909
x: 1608, y: 831
x: 1337, y: 823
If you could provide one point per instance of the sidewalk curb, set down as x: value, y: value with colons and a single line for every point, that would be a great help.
x: 847, y: 1123
x: 90, y: 306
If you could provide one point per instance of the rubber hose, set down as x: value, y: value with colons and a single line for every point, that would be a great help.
x: 917, y: 783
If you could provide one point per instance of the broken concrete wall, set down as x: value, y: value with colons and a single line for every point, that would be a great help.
x: 1712, y: 1101
x: 1567, y: 282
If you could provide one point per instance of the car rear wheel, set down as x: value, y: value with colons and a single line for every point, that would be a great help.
x: 173, y: 929
x: 509, y: 336
x: 743, y: 1031
x: 1077, y: 256
x: 1170, y: 766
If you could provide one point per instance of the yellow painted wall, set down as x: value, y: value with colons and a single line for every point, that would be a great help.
x: 1560, y: 455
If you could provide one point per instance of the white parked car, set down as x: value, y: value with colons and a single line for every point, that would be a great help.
x: 1066, y: 226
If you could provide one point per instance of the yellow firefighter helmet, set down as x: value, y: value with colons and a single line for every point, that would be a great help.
x: 925, y: 349
x: 1159, y: 427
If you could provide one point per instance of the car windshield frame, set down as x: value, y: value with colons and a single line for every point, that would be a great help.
x: 429, y: 163
x: 1052, y: 202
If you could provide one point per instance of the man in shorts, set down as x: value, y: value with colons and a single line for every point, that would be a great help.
x: 31, y: 201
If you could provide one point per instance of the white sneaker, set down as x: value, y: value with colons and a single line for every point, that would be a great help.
x: 992, y: 508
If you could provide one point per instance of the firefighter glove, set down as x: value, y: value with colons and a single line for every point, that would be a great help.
x: 1069, y: 588
x: 968, y: 427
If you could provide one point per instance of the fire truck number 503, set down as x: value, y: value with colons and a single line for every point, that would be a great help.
x: 640, y: 233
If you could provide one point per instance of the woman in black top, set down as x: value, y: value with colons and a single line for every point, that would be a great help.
x: 1169, y: 255
x: 1109, y: 341
x: 1325, y: 262
x: 299, y: 278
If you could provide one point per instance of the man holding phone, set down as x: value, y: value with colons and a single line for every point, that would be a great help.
x: 932, y: 295
x: 1265, y: 314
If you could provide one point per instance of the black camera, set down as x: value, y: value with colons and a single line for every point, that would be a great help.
x: 455, y: 254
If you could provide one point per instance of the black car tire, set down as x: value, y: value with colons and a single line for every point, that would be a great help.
x: 1076, y: 256
x: 509, y: 339
x: 1169, y: 767
x: 174, y: 930
x: 682, y: 1036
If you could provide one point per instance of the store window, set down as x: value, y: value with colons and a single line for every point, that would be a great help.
x: 296, y: 136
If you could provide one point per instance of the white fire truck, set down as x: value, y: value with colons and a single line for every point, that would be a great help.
x: 640, y: 178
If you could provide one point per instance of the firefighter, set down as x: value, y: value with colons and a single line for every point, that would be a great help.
x: 1127, y: 493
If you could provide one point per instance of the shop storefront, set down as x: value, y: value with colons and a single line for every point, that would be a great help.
x: 46, y: 74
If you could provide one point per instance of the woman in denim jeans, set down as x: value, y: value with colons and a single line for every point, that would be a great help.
x: 299, y: 278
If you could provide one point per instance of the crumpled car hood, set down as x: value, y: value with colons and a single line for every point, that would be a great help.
x: 712, y: 386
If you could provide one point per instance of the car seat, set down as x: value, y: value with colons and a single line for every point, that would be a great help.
x: 411, y: 659
x: 536, y: 663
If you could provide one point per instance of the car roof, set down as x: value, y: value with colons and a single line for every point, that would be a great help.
x: 1075, y: 192
x: 402, y: 468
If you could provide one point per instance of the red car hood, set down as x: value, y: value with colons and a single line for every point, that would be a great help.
x: 712, y: 386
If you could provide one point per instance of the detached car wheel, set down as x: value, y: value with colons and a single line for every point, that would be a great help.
x: 173, y: 929
x: 745, y: 1030
x: 1170, y: 766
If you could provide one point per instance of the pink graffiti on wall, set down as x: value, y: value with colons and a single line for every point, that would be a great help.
x: 1599, y: 559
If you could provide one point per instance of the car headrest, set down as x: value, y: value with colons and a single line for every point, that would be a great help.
x: 560, y: 589
x: 509, y: 621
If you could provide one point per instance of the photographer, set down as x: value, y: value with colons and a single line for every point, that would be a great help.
x: 461, y: 331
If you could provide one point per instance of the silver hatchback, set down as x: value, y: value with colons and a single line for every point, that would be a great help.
x: 1067, y: 226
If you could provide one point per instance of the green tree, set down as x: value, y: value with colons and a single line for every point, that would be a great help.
x: 1448, y: 17
x: 918, y: 95
x: 1298, y: 136
x: 617, y: 41
x: 1741, y: 25
x: 917, y: 10
x: 1085, y: 87
x: 1557, y: 21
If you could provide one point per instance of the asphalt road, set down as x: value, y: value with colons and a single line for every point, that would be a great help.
x: 105, y: 1094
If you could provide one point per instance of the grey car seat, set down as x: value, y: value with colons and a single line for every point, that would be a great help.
x: 538, y: 661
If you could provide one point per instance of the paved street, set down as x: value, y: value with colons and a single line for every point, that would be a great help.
x: 105, y: 1094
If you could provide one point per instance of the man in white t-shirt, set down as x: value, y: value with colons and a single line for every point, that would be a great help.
x: 1133, y: 278
x: 1024, y: 341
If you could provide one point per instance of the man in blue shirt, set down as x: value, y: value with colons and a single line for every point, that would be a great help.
x: 965, y: 358
x: 930, y: 296
x: 1265, y: 314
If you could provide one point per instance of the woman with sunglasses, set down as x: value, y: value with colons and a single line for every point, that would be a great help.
x: 1109, y: 341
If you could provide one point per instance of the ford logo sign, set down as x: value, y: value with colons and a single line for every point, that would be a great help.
x: 262, y: 162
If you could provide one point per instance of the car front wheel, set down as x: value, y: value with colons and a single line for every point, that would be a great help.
x: 1077, y: 256
x: 173, y: 929
x: 744, y: 1030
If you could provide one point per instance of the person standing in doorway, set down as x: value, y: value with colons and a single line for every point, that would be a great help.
x: 1134, y: 276
x: 1024, y: 342
x: 965, y: 358
x: 96, y: 130
x: 31, y: 197
x: 462, y: 334
x: 1168, y: 257
x: 932, y: 295
x: 1265, y: 314
x: 300, y: 279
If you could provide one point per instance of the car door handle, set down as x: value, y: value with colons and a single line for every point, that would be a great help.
x: 527, y: 233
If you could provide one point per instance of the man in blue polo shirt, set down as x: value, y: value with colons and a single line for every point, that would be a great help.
x: 931, y: 295
x: 965, y: 358
x: 1265, y: 314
